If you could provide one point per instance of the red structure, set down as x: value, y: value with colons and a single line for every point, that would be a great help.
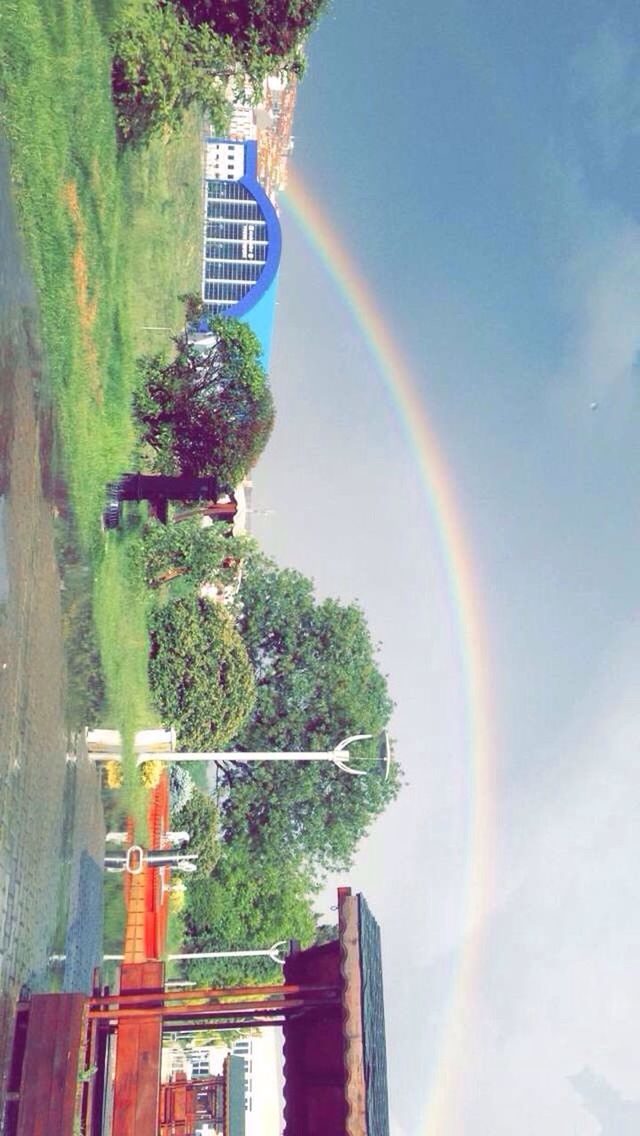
x: 177, y: 1107
x: 146, y: 898
x: 330, y: 1007
x: 185, y: 1104
x: 50, y: 1042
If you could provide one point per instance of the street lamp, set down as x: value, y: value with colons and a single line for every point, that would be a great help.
x: 105, y: 745
x: 274, y: 953
x: 338, y: 756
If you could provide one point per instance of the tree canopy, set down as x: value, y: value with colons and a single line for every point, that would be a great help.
x: 200, y: 675
x: 275, y: 28
x: 199, y: 817
x: 207, y: 412
x: 161, y: 65
x: 191, y: 552
x: 248, y: 901
x: 167, y: 56
x: 317, y: 682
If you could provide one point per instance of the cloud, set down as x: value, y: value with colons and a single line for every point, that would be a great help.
x: 560, y: 989
x: 606, y: 91
x: 590, y: 224
x: 602, y: 300
x: 617, y: 1116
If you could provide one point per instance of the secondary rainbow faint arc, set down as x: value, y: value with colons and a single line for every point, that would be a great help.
x: 438, y: 483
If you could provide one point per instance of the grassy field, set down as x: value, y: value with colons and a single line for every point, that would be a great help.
x: 112, y: 239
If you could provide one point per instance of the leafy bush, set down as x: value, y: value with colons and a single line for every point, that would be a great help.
x: 177, y: 898
x: 199, y: 817
x: 151, y: 772
x: 200, y: 674
x: 209, y: 554
x: 249, y: 901
x: 162, y: 65
x: 272, y: 28
x: 181, y: 788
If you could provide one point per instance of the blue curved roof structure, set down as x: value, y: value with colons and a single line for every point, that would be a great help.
x: 242, y: 239
x: 260, y: 318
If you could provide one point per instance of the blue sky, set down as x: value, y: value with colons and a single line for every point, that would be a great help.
x: 482, y: 166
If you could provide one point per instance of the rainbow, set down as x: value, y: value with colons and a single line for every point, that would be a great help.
x: 439, y: 490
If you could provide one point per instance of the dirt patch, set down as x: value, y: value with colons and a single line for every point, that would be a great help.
x: 86, y: 304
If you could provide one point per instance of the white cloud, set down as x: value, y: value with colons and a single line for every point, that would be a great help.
x: 606, y: 89
x: 602, y: 300
x: 561, y: 988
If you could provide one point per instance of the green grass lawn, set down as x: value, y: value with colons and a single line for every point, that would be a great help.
x: 112, y: 239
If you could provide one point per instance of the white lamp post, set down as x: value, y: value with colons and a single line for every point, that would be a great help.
x: 106, y: 745
x: 273, y: 953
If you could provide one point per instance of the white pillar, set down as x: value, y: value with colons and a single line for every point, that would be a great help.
x: 106, y: 745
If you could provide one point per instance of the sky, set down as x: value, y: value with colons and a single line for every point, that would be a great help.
x: 481, y: 164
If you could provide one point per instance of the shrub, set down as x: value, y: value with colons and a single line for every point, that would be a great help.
x: 181, y: 787
x: 200, y: 674
x: 162, y: 65
x: 113, y: 775
x: 151, y: 772
x: 199, y: 817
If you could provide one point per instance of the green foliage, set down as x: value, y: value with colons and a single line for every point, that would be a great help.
x: 273, y: 28
x: 85, y: 691
x: 207, y: 412
x: 326, y: 933
x: 249, y: 901
x: 193, y: 306
x: 181, y: 787
x: 199, y: 817
x: 186, y: 549
x: 200, y: 674
x: 317, y: 682
x: 111, y: 243
x: 161, y: 66
x: 170, y: 56
x: 120, y: 606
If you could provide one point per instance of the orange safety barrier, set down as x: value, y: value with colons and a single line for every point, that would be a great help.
x: 146, y: 900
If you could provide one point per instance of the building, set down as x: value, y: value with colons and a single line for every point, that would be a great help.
x: 205, y: 1105
x: 269, y: 122
x: 243, y: 173
x: 241, y: 238
x: 274, y: 119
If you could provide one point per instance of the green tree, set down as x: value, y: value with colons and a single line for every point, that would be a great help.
x: 199, y: 817
x: 161, y: 65
x: 207, y: 412
x: 274, y: 28
x: 317, y: 682
x: 200, y: 674
x: 249, y: 901
x: 187, y: 550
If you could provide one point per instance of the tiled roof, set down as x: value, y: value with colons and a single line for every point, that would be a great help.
x: 375, y: 1049
x: 335, y: 1066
